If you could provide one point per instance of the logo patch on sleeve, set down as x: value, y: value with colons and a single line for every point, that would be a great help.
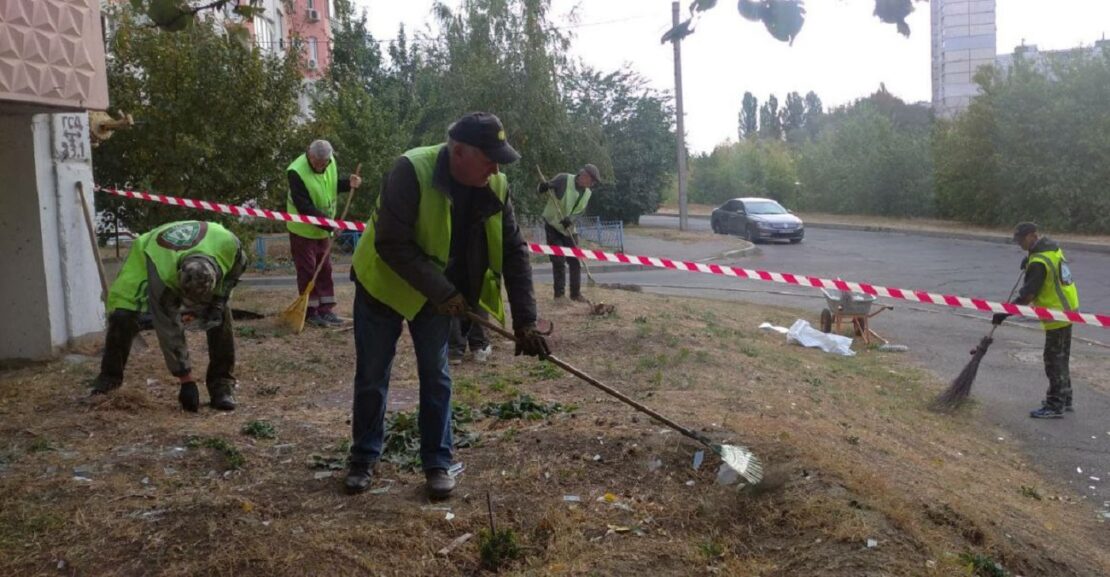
x: 183, y: 235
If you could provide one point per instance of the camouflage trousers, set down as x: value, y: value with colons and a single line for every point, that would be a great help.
x: 1057, y: 355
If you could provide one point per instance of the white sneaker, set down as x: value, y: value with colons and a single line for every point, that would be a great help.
x: 482, y: 355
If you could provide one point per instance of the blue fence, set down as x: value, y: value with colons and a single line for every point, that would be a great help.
x: 345, y: 243
x: 606, y: 234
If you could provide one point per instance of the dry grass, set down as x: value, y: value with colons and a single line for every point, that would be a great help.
x: 109, y: 486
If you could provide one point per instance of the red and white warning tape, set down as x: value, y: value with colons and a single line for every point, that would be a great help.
x: 684, y: 266
x: 232, y: 209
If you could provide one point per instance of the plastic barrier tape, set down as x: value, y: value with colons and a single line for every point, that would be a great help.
x: 684, y: 266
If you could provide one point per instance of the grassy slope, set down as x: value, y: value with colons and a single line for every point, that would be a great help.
x: 853, y: 456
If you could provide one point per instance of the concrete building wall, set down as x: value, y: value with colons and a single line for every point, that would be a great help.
x: 964, y: 38
x: 51, y: 292
x: 51, y: 60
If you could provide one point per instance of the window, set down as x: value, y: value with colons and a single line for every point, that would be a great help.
x: 332, y: 12
x: 263, y: 34
x: 311, y: 4
x: 313, y: 54
x: 765, y: 207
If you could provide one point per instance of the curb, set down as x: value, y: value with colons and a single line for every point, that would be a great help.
x: 985, y: 237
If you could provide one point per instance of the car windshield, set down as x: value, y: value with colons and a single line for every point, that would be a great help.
x: 764, y: 207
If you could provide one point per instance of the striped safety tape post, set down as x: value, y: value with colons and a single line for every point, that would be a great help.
x: 683, y: 266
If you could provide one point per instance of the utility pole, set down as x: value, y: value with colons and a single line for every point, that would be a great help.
x: 680, y: 132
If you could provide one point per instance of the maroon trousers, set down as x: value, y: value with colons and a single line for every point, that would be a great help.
x: 307, y: 254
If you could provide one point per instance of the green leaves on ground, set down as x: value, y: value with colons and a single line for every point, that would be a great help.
x: 234, y: 458
x: 524, y: 407
x: 260, y: 430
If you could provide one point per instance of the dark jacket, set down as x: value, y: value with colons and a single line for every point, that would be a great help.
x: 468, y: 261
x: 303, y: 201
x: 1035, y: 273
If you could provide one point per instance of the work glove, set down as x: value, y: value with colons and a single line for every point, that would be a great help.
x: 213, y: 316
x: 1024, y: 263
x: 998, y: 318
x: 454, y: 306
x: 543, y: 187
x: 189, y: 397
x: 567, y: 223
x: 529, y: 341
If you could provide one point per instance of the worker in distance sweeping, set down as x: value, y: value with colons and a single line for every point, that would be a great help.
x: 1048, y: 284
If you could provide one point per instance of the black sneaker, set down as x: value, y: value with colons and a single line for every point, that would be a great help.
x: 102, y: 385
x: 438, y: 483
x: 1047, y: 413
x: 358, y: 478
x: 329, y: 319
x: 317, y: 321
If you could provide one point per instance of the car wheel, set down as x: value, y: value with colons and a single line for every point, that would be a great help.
x: 749, y: 235
x: 716, y: 228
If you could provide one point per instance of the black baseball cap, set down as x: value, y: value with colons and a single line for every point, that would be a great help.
x: 1024, y: 229
x: 484, y: 131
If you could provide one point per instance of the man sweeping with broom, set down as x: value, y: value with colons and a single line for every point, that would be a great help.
x: 314, y: 184
x: 1048, y: 284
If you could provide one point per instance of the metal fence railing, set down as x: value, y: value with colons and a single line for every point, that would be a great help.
x: 606, y: 234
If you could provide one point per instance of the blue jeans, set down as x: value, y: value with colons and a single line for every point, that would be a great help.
x: 377, y: 329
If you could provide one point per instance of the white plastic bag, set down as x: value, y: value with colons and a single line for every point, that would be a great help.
x: 803, y: 334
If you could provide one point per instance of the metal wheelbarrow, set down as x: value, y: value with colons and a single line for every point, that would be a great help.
x: 858, y: 308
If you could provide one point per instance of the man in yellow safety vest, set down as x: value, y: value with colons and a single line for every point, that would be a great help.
x: 314, y: 184
x: 441, y: 243
x: 188, y: 265
x: 567, y: 198
x: 1048, y: 284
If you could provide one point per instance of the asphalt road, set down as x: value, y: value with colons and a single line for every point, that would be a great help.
x: 1011, y: 378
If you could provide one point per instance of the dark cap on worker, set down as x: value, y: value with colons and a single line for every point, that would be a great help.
x: 593, y: 172
x: 1024, y: 229
x: 197, y: 277
x: 484, y: 131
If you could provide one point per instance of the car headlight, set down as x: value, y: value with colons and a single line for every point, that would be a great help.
x: 764, y: 225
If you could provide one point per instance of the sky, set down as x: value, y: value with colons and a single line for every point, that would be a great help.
x: 843, y: 52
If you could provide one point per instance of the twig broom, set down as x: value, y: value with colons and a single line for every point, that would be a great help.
x: 293, y: 316
x: 954, y: 396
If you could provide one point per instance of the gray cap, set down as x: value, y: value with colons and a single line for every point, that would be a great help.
x: 1024, y: 229
x: 593, y: 172
x: 197, y: 278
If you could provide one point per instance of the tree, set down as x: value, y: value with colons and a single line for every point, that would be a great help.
x: 637, y: 132
x: 215, y: 119
x: 815, y: 111
x: 1032, y: 146
x: 770, y: 123
x: 749, y: 117
x: 863, y: 162
x: 793, y: 116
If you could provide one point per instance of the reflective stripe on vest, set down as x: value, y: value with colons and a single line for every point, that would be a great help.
x: 166, y: 246
x: 432, y: 233
x: 322, y: 189
x: 1054, y: 293
x: 571, y: 204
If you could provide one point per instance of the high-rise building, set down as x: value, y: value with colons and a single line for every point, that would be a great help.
x: 297, y: 24
x: 964, y: 38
